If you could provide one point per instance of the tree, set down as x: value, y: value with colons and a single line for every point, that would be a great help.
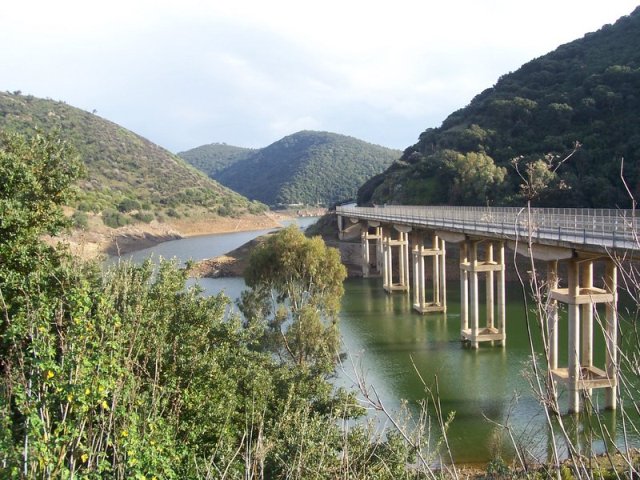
x: 35, y: 178
x: 475, y: 178
x: 296, y: 287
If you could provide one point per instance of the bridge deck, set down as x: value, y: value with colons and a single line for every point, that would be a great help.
x: 599, y: 230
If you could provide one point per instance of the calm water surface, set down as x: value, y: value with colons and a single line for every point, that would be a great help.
x: 392, y: 347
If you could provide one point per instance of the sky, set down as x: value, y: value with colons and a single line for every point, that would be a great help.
x: 249, y: 72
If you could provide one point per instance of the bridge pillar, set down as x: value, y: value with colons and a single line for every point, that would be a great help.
x: 365, y: 238
x: 581, y: 374
x: 470, y: 269
x: 438, y: 279
x: 611, y: 333
x: 552, y: 316
x: 402, y: 244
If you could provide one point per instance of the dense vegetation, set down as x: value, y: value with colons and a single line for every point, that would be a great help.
x: 127, y: 177
x: 129, y: 374
x: 586, y: 91
x: 311, y: 168
x: 214, y: 157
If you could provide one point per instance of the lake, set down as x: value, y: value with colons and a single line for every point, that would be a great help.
x: 393, y: 347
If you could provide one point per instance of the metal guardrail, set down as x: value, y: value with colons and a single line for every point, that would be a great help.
x: 599, y: 228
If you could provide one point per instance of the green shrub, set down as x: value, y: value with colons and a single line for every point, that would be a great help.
x: 128, y: 205
x: 114, y: 219
x: 145, y: 217
x: 80, y: 219
x: 84, y: 206
x: 172, y: 212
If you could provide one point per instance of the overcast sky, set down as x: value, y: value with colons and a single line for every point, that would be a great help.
x: 249, y: 72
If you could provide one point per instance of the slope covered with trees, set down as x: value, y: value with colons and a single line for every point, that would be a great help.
x: 306, y: 168
x: 214, y: 157
x: 124, y: 172
x: 585, y: 93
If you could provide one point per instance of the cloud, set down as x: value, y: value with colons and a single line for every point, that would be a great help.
x: 248, y: 72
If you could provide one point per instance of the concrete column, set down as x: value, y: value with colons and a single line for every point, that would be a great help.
x: 436, y: 271
x: 464, y: 286
x: 423, y: 282
x: 389, y: 259
x: 611, y: 286
x: 586, y: 322
x: 489, y: 284
x: 365, y: 252
x: 379, y: 250
x: 552, y: 315
x: 443, y: 275
x: 387, y: 262
x: 417, y: 260
x: 405, y: 249
x: 502, y: 288
x: 574, y: 338
x: 402, y: 267
x: 475, y: 321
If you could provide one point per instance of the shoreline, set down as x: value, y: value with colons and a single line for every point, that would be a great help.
x: 99, y: 240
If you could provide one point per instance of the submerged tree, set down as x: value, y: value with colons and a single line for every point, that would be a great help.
x: 296, y: 288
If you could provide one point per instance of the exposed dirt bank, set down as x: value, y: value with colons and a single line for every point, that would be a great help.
x: 231, y: 264
x: 99, y: 239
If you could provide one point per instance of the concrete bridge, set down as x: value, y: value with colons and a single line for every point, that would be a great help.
x: 579, y: 238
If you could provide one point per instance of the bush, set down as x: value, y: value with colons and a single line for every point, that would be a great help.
x: 80, y: 219
x: 226, y: 210
x: 172, y: 212
x: 128, y: 205
x: 84, y: 207
x: 145, y: 217
x: 114, y: 219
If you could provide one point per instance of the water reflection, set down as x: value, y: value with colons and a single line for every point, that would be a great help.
x: 488, y: 389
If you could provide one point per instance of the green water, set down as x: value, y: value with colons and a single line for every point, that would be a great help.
x: 391, y: 344
x: 386, y: 338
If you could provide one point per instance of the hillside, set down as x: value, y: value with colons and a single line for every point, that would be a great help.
x: 214, y: 157
x: 127, y: 177
x: 313, y: 168
x: 586, y: 91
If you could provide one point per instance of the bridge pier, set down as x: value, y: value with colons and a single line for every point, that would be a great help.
x: 470, y: 268
x: 402, y: 244
x: 581, y: 298
x: 365, y: 238
x: 437, y: 253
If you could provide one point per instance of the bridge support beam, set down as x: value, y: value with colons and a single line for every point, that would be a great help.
x: 402, y: 246
x: 437, y: 253
x: 366, y: 236
x: 581, y: 298
x: 493, y: 269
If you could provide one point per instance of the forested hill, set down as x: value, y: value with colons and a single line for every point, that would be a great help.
x: 586, y: 91
x: 124, y: 172
x: 215, y: 157
x: 305, y: 168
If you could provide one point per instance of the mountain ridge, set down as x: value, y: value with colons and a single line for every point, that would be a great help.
x: 306, y: 167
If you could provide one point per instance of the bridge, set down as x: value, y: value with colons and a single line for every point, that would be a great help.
x: 577, y: 239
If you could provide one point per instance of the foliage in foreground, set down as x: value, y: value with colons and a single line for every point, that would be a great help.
x: 129, y: 374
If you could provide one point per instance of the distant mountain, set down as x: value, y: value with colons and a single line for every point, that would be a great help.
x: 124, y: 171
x: 304, y: 168
x: 587, y: 91
x: 213, y: 158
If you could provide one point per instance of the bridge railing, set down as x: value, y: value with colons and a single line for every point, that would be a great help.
x: 608, y: 228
